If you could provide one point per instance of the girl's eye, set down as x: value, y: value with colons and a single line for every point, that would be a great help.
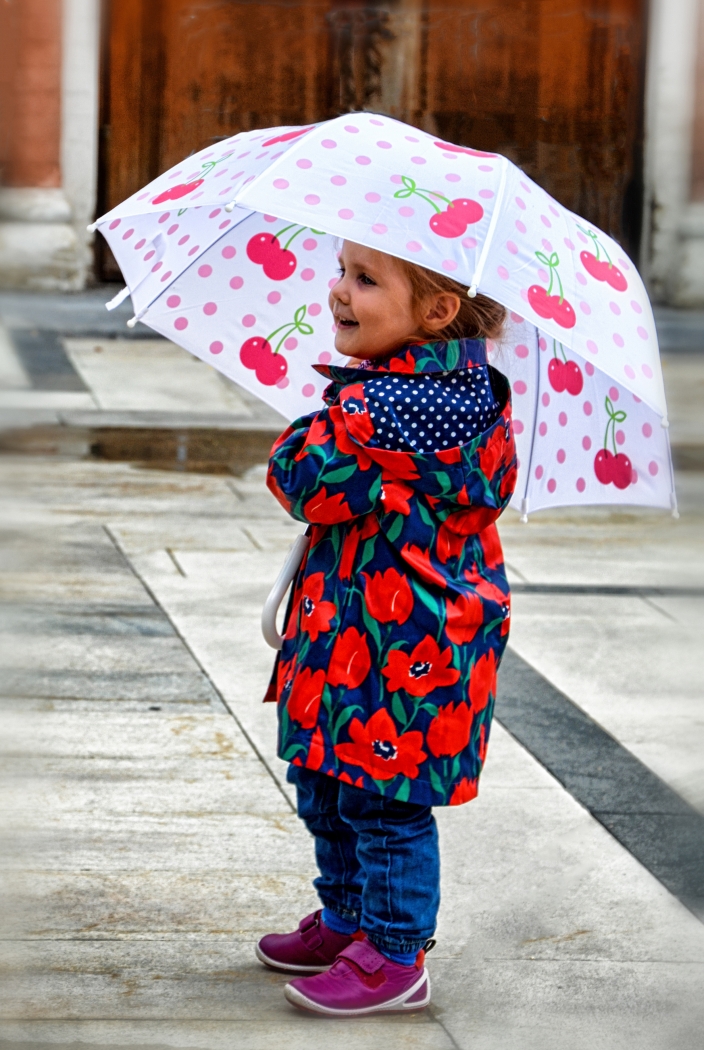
x: 341, y: 271
x: 366, y: 279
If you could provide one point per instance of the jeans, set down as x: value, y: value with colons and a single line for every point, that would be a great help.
x: 378, y: 859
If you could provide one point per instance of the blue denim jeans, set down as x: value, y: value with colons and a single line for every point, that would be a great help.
x: 378, y: 859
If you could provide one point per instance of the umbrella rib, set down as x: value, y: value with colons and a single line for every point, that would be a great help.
x: 479, y: 270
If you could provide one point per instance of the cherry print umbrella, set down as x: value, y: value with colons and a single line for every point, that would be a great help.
x: 232, y: 253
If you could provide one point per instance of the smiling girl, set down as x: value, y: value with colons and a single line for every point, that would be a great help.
x: 396, y: 623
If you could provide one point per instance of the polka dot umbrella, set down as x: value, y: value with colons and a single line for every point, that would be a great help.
x: 231, y: 255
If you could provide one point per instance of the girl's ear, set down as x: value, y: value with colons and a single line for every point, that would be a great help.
x: 440, y: 311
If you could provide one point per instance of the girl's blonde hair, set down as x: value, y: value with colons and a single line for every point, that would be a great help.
x: 478, y: 318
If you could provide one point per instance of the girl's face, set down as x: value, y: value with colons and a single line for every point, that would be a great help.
x: 372, y: 305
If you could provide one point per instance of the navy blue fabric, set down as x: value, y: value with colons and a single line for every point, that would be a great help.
x: 378, y: 859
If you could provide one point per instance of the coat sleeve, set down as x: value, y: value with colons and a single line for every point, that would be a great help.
x: 319, y: 469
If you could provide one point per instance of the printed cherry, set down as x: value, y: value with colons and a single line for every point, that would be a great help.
x: 286, y: 137
x: 574, y: 380
x: 613, y: 467
x: 564, y: 374
x: 448, y: 147
x: 265, y: 250
x: 557, y: 375
x: 450, y: 222
x: 269, y: 364
x: 602, y: 269
x: 175, y: 192
x: 549, y: 306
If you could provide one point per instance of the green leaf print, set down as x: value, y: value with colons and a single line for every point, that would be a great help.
x: 367, y: 553
x: 394, y: 531
x: 372, y: 626
x: 342, y: 474
x: 404, y: 792
x: 291, y: 752
x: 427, y: 600
x: 343, y: 719
x: 436, y: 782
x: 423, y: 511
x: 398, y: 710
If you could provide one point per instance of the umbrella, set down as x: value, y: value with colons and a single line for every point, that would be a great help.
x: 231, y: 255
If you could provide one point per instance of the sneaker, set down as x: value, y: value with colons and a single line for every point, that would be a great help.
x: 312, y: 948
x: 363, y: 981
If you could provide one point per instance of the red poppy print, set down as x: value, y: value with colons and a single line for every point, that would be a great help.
x: 396, y: 466
x: 421, y: 671
x: 316, y: 615
x: 482, y: 683
x: 388, y: 596
x: 420, y: 561
x: 449, y: 544
x: 304, y: 702
x: 464, y: 618
x: 448, y: 733
x: 491, y: 455
x: 491, y: 546
x: 318, y: 434
x: 316, y: 752
x: 380, y: 750
x: 350, y: 545
x: 396, y: 496
x: 344, y: 442
x: 463, y: 792
x: 327, y: 510
x: 350, y: 661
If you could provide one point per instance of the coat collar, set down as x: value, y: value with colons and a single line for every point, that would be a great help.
x: 415, y: 358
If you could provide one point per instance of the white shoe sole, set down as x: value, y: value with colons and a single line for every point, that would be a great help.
x: 273, y: 964
x: 398, y: 1005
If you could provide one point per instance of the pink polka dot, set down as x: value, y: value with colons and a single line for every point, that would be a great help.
x: 406, y: 211
x: 303, y: 163
x: 249, y: 320
x: 173, y: 301
x: 312, y: 198
x: 554, y: 210
x: 519, y: 387
x: 338, y: 180
x: 503, y: 273
x: 379, y: 123
x: 165, y: 217
x: 172, y: 229
x: 620, y: 437
x: 589, y: 368
x: 205, y: 270
x: 542, y: 343
x: 592, y: 347
x: 180, y: 323
x: 291, y: 343
x: 524, y: 295
x: 307, y: 275
x: 485, y: 167
x: 210, y: 308
x: 586, y: 443
x: 283, y: 382
x: 418, y: 160
x: 194, y: 249
x: 634, y: 476
x: 453, y: 177
x: 522, y: 350
x: 562, y: 419
x: 324, y: 358
x: 186, y: 237
x: 128, y: 233
x: 629, y: 372
x: 449, y: 265
x: 140, y: 244
x: 281, y: 184
x: 539, y: 472
x: 410, y: 138
x: 615, y: 308
x: 618, y: 339
x: 396, y: 179
x: 521, y: 203
x: 647, y: 371
x: 613, y: 393
x: 328, y: 143
x: 569, y: 244
x: 346, y: 213
x: 587, y: 408
x: 545, y: 399
x: 214, y: 214
x: 545, y: 221
x: 116, y: 222
x: 469, y: 242
x: 379, y: 227
x: 414, y: 246
x: 229, y: 252
x: 310, y: 244
x: 150, y: 255
x: 543, y: 429
x: 142, y: 196
x: 647, y: 430
x: 516, y: 317
x: 157, y: 266
x: 236, y: 282
x: 581, y: 278
x: 225, y: 224
x: 521, y: 226
x: 585, y: 308
x: 581, y: 484
x: 623, y: 264
x: 518, y: 426
x: 652, y: 468
x: 642, y: 332
x: 636, y: 307
x: 314, y: 309
x: 513, y: 248
x: 363, y: 160
x: 582, y: 238
x: 383, y: 145
x: 543, y: 275
x: 331, y: 284
x: 308, y: 390
x: 552, y: 485
x: 216, y: 347
x: 486, y: 194
x: 372, y: 197
x: 269, y: 218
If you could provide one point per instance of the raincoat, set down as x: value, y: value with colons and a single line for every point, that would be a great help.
x: 399, y: 614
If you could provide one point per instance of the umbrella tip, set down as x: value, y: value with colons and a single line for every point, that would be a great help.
x: 230, y: 207
x: 132, y: 322
x: 92, y: 227
x: 664, y: 422
x: 472, y: 292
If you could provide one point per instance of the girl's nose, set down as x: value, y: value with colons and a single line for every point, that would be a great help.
x: 340, y: 291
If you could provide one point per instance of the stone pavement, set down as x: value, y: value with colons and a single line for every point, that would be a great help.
x: 149, y: 834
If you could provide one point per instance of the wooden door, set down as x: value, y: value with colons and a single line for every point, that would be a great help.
x: 556, y: 85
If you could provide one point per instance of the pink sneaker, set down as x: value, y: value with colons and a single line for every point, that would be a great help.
x: 363, y: 981
x: 312, y: 948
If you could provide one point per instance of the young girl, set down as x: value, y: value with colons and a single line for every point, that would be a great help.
x: 396, y: 624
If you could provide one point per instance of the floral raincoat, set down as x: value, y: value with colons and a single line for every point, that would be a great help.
x: 399, y: 614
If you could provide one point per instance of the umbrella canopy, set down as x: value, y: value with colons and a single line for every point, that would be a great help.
x: 232, y: 253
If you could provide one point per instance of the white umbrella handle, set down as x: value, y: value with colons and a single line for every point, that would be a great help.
x: 271, y: 605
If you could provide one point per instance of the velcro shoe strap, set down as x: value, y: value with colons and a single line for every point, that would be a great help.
x: 309, y: 929
x: 364, y: 955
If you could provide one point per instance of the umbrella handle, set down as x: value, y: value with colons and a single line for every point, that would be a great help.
x: 271, y: 605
